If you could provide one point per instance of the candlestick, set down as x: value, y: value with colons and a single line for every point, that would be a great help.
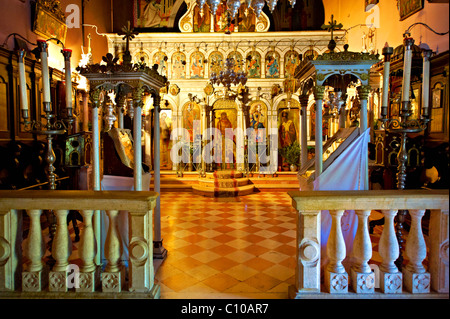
x: 68, y: 77
x: 23, y: 84
x: 408, y: 42
x: 45, y: 75
x: 387, y: 52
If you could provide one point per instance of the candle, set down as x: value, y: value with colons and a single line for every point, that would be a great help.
x: 23, y: 84
x: 426, y: 82
x: 407, y: 58
x: 45, y: 75
x: 387, y: 51
x: 68, y: 77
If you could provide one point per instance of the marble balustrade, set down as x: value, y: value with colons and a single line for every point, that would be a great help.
x: 332, y: 277
x: 24, y: 270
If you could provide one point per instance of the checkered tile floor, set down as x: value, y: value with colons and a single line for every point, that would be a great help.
x: 227, y: 247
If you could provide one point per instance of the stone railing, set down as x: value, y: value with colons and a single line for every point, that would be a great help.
x: 23, y: 272
x: 357, y: 280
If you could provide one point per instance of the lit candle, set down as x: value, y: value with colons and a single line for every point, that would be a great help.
x: 407, y: 58
x: 45, y: 75
x: 426, y: 82
x: 67, y: 54
x: 23, y: 85
x: 387, y: 51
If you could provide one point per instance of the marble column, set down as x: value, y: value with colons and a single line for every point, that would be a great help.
x: 363, y: 96
x: 95, y: 94
x: 137, y: 137
x: 159, y: 251
x: 318, y: 95
x: 303, y: 129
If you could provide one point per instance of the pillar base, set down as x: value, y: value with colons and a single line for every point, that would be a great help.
x: 391, y: 283
x: 417, y: 283
x: 34, y: 281
x: 159, y: 252
x: 363, y: 283
x: 57, y: 281
x: 336, y: 283
x: 89, y: 281
x: 113, y: 281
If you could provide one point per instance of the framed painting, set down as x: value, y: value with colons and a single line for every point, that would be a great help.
x: 48, y: 24
x: 407, y: 8
x: 155, y: 13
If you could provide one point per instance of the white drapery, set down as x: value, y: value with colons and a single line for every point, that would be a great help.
x: 347, y: 172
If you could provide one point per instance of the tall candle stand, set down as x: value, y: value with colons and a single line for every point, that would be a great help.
x: 51, y: 126
x: 404, y: 124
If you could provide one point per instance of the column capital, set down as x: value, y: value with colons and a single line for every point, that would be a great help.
x: 303, y: 99
x: 319, y: 91
x: 364, y: 91
x: 94, y: 96
x: 137, y: 96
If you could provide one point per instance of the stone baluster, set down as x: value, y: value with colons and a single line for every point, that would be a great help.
x: 391, y: 279
x: 416, y: 278
x: 336, y: 278
x: 362, y: 277
x: 87, y: 251
x: 141, y: 272
x: 10, y: 249
x: 307, y: 272
x: 113, y: 277
x: 61, y: 250
x: 438, y: 258
x: 34, y: 279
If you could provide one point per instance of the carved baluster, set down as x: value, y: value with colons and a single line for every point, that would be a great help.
x: 389, y: 249
x: 363, y: 279
x: 34, y: 279
x: 417, y: 279
x: 307, y: 272
x: 112, y: 277
x: 336, y: 278
x: 87, y: 251
x: 438, y: 258
x: 61, y: 250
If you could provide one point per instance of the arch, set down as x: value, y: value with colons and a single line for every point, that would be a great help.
x: 178, y: 65
x: 253, y: 65
x: 272, y: 63
x: 215, y: 62
x: 160, y: 58
x: 239, y: 61
x: 197, y: 65
x: 291, y: 61
x: 190, y: 112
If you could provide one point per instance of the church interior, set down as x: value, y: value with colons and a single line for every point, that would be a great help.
x: 198, y: 149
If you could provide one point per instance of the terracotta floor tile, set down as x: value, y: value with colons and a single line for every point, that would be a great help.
x: 259, y: 263
x: 262, y: 282
x: 179, y: 281
x: 222, y: 263
x: 220, y: 282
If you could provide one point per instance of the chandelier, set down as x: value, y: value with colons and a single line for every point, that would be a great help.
x: 229, y: 76
x: 234, y: 5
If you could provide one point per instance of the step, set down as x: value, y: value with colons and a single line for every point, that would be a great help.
x: 224, y: 174
x: 222, y: 182
x: 223, y: 191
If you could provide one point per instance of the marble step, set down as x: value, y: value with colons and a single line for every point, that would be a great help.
x: 222, y: 182
x: 224, y: 174
x: 223, y: 191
